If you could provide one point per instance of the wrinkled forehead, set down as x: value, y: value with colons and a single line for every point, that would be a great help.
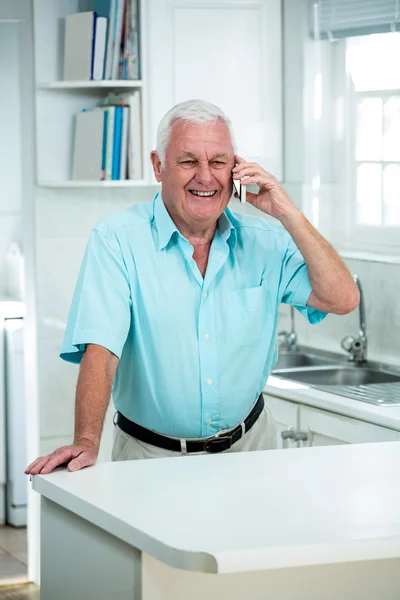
x: 200, y: 138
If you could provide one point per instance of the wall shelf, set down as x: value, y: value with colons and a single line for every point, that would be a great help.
x: 100, y: 84
x: 91, y: 184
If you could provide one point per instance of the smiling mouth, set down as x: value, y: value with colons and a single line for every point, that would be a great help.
x: 199, y: 194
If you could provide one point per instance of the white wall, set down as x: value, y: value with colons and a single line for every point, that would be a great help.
x: 10, y: 146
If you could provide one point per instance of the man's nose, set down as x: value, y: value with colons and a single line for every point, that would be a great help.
x: 204, y: 174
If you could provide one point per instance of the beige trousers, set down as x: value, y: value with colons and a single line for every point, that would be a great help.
x: 262, y: 436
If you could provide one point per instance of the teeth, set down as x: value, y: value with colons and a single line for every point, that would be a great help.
x: 196, y: 193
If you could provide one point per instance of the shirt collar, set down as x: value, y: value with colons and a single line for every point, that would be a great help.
x: 163, y: 222
x: 166, y: 227
x: 227, y: 229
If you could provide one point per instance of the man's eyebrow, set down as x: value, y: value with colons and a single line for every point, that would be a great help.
x: 189, y: 154
x: 220, y: 155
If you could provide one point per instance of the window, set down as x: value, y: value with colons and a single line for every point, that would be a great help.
x: 372, y: 66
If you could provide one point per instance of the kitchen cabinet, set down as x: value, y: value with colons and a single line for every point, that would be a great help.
x: 326, y: 429
x: 300, y: 426
x: 286, y: 415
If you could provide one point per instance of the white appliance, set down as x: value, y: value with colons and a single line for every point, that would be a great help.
x: 3, y: 474
x: 16, y: 488
x: 13, y: 483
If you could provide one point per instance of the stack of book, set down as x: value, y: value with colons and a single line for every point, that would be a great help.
x: 103, y: 43
x: 108, y: 138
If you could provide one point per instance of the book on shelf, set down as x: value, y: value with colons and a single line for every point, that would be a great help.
x: 121, y: 41
x: 129, y: 63
x: 124, y: 143
x: 84, y: 46
x: 132, y: 100
x: 99, y: 48
x: 116, y: 162
x: 88, y: 146
x: 117, y: 37
x: 107, y: 142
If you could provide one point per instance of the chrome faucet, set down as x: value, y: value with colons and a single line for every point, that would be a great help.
x: 357, y: 347
x: 290, y: 337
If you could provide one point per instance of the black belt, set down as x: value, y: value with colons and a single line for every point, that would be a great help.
x: 213, y: 444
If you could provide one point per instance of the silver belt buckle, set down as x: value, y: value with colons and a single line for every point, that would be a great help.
x: 222, y: 432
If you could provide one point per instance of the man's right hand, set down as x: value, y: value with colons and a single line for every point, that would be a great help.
x: 75, y: 457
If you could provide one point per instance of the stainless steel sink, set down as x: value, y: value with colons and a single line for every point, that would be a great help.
x: 289, y: 360
x: 338, y: 376
x: 372, y: 382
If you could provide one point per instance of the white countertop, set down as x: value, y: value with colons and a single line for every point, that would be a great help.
x: 386, y: 416
x: 245, y: 511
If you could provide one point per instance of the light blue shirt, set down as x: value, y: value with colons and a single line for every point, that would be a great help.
x: 194, y: 353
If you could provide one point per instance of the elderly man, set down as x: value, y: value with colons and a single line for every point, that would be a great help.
x: 176, y: 304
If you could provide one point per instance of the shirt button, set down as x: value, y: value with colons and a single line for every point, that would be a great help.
x: 205, y: 295
x: 209, y: 381
x: 209, y: 421
x: 206, y: 337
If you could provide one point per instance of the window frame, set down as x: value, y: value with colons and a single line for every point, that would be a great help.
x: 379, y: 239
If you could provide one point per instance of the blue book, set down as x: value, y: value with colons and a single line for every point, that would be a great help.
x: 116, y: 164
x: 94, y: 26
x: 102, y: 8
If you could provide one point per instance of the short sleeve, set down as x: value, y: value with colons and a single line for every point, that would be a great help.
x: 295, y: 287
x: 100, y: 312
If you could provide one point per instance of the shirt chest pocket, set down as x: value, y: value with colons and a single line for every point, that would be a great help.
x: 251, y: 317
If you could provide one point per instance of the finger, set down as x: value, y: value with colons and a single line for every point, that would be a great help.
x: 250, y: 197
x: 253, y: 170
x: 34, y: 463
x: 39, y: 466
x: 55, y: 460
x: 239, y: 167
x: 239, y: 159
x: 257, y: 179
x: 83, y: 460
x: 249, y: 169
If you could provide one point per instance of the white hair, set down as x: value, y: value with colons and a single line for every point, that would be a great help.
x: 191, y: 111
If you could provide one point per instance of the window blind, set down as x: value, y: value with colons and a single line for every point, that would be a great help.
x: 333, y: 19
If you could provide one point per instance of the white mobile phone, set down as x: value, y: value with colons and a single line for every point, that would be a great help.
x: 240, y: 189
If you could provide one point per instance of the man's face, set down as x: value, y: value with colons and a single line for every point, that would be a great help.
x: 197, y: 175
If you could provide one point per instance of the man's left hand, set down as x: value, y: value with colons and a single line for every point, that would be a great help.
x: 271, y: 198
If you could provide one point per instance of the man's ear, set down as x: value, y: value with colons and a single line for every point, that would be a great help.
x: 155, y: 160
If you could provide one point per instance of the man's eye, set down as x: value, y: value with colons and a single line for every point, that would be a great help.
x: 219, y: 163
x: 188, y: 162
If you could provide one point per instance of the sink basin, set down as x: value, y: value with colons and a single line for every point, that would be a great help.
x: 344, y: 375
x: 288, y: 360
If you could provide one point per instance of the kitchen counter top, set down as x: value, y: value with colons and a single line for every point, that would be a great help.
x: 244, y: 512
x: 386, y: 416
